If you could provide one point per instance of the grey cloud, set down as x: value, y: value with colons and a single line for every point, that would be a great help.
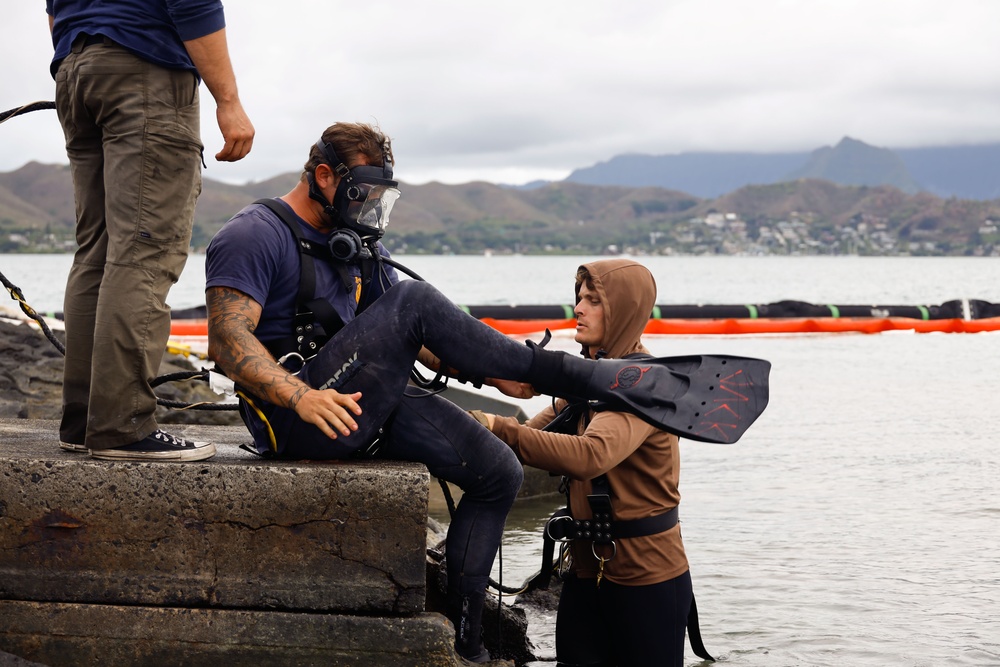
x: 473, y: 89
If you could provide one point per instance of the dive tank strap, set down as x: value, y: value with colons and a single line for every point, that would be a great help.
x: 310, y: 310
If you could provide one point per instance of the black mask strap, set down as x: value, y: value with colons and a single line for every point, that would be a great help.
x: 331, y: 159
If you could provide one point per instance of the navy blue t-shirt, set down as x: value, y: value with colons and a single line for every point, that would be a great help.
x: 154, y: 30
x: 256, y: 254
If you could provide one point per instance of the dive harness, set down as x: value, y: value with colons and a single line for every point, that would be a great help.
x: 316, y: 320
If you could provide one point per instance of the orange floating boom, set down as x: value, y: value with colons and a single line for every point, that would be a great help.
x: 737, y: 326
x: 719, y: 327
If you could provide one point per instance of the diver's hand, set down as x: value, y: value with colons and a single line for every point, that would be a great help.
x: 329, y: 410
x: 512, y: 388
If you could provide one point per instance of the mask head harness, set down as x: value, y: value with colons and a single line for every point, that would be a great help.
x: 361, y: 205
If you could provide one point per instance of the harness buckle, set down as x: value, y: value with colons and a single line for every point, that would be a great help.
x: 553, y: 520
x: 614, y: 552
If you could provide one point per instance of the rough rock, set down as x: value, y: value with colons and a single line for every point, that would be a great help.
x: 31, y: 369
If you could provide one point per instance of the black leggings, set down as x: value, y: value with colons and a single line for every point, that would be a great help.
x: 622, y: 626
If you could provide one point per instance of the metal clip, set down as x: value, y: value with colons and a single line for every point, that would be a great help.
x: 296, y: 359
x: 552, y: 521
x: 601, y: 561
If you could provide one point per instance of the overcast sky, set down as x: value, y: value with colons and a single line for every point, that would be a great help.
x: 514, y: 91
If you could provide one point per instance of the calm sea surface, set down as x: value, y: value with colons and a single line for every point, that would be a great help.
x: 858, y: 521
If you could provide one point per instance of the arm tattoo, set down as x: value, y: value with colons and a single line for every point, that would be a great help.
x: 232, y: 319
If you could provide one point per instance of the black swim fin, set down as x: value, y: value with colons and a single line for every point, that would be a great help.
x: 711, y: 398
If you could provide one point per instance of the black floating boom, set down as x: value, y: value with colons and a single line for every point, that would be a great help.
x: 968, y: 309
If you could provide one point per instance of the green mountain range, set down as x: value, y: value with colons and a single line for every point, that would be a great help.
x: 809, y: 213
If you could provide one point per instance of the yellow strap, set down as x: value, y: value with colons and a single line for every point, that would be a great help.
x: 270, y: 433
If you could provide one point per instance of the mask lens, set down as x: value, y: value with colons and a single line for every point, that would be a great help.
x: 373, y: 208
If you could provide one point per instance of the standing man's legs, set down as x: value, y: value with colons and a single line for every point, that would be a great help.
x: 85, y: 148
x: 132, y: 133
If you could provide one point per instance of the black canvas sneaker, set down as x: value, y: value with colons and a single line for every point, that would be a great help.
x: 158, y: 446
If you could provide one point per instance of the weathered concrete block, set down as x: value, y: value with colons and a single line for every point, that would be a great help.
x: 77, y: 634
x: 231, y: 532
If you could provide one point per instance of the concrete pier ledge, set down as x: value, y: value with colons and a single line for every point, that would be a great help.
x: 235, y: 558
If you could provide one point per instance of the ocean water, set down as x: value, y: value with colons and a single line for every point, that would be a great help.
x: 858, y: 521
x: 521, y: 280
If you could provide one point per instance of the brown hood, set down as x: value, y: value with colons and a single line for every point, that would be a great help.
x: 628, y: 292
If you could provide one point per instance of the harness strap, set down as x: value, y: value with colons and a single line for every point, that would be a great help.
x: 562, y: 526
x: 694, y: 633
x: 367, y: 273
x: 544, y: 576
x: 309, y: 310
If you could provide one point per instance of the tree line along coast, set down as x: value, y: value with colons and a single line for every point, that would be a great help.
x: 801, y: 217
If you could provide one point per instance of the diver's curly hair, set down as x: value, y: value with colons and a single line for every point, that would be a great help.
x: 351, y: 141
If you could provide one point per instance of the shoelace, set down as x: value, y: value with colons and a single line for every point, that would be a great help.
x: 171, y: 439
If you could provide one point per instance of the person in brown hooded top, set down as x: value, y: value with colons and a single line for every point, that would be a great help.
x: 632, y: 609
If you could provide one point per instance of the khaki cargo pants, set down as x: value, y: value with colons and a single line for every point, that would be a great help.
x: 133, y: 141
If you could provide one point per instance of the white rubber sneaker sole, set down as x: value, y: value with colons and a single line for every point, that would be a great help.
x: 199, y: 453
x: 70, y: 447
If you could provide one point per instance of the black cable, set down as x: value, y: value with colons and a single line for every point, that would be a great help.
x: 396, y: 265
x: 32, y: 106
x: 180, y: 375
x: 17, y: 295
x: 448, y: 500
x: 500, y: 597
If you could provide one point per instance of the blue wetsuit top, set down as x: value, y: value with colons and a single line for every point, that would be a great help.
x: 256, y: 254
x: 154, y: 30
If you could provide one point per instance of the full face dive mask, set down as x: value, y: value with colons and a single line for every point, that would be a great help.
x: 362, y: 203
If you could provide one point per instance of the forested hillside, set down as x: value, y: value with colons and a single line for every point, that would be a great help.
x: 805, y: 216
